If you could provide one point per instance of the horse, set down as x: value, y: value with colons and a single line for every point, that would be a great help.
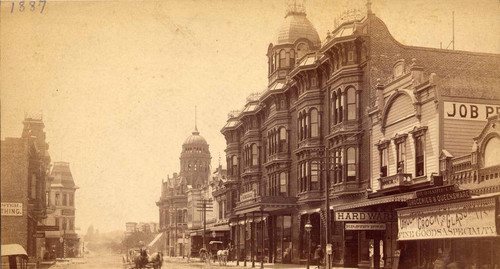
x: 222, y: 256
x: 140, y: 259
x: 156, y: 259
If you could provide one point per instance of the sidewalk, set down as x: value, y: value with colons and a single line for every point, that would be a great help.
x: 249, y: 264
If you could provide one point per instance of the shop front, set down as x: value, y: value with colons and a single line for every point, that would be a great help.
x: 462, y: 234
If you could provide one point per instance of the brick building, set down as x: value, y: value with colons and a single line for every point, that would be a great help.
x: 353, y: 126
x: 24, y: 172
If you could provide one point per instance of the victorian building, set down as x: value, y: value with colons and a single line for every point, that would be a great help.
x: 25, y: 165
x: 63, y: 241
x: 181, y: 196
x: 347, y: 134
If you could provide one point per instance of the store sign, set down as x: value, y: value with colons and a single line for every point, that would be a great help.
x: 444, y: 197
x: 468, y: 111
x: 436, y: 191
x: 365, y: 226
x: 364, y: 216
x: 12, y: 209
x: 474, y: 218
x: 247, y: 196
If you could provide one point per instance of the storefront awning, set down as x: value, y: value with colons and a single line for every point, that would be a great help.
x: 402, y: 197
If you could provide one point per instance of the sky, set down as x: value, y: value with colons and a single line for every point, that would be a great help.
x: 117, y: 82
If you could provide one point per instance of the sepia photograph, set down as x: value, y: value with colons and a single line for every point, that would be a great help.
x: 280, y: 134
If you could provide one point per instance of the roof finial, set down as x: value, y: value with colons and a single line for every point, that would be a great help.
x: 195, y: 123
x: 369, y: 7
x: 295, y: 7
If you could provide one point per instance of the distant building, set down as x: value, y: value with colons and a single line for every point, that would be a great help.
x: 64, y: 241
x: 24, y: 179
x: 181, y: 218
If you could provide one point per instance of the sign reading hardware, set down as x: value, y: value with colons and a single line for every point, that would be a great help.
x: 365, y: 226
x: 364, y: 216
x: 473, y: 218
x: 468, y: 111
x: 445, y: 197
x: 12, y: 209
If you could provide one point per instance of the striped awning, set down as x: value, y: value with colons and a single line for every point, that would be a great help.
x: 401, y: 197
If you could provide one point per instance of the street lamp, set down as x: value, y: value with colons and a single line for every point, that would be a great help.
x: 308, y: 228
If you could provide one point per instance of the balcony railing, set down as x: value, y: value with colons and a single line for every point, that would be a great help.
x: 397, y: 180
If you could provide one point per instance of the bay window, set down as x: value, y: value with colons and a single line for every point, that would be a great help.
x: 313, y: 114
x: 283, y: 146
x: 283, y: 184
x: 255, y: 155
x: 314, y: 184
x: 351, y: 104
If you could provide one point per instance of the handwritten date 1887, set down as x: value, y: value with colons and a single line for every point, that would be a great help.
x: 28, y: 5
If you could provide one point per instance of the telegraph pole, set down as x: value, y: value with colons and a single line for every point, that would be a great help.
x: 203, y: 206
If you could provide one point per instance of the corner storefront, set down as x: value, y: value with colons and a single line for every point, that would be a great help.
x: 463, y: 233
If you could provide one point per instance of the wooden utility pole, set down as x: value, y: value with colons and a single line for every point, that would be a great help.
x: 203, y: 206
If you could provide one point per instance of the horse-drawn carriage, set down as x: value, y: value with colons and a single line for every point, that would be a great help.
x: 215, y: 252
x: 139, y: 258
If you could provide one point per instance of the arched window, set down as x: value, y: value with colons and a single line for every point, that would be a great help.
x: 340, y: 105
x: 333, y: 108
x: 313, y: 114
x: 306, y: 175
x: 292, y: 58
x: 301, y: 127
x: 271, y: 65
x: 283, y: 145
x: 282, y: 58
x: 305, y: 119
x: 491, y: 152
x: 255, y: 155
x: 283, y: 184
x: 302, y: 49
x: 351, y: 104
x: 351, y: 164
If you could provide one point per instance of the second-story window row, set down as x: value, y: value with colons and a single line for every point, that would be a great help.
x: 278, y: 184
x: 308, y: 124
x: 277, y: 141
x: 344, y: 164
x: 251, y: 155
x: 309, y: 175
x: 343, y: 105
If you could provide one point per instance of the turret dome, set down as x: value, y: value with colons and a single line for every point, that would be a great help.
x: 297, y: 26
x: 195, y: 139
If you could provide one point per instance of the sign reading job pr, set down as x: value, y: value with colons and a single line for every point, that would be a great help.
x: 12, y: 209
x: 468, y: 111
x: 474, y: 218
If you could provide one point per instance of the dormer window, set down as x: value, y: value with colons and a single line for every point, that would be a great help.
x: 398, y: 69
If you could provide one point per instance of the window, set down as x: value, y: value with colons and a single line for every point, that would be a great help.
x: 491, y: 152
x: 340, y: 107
x: 65, y: 223
x: 339, y: 165
x: 333, y: 108
x: 400, y: 154
x: 57, y: 222
x: 302, y: 49
x: 255, y: 155
x: 292, y: 58
x: 71, y: 225
x: 58, y: 201
x: 383, y: 162
x: 315, y: 173
x: 314, y: 122
x: 351, y: 104
x: 283, y: 184
x: 283, y: 147
x: 419, y: 156
x: 71, y: 201
x: 282, y: 58
x: 351, y: 164
x: 301, y: 127
x: 65, y: 199
x: 235, y: 165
